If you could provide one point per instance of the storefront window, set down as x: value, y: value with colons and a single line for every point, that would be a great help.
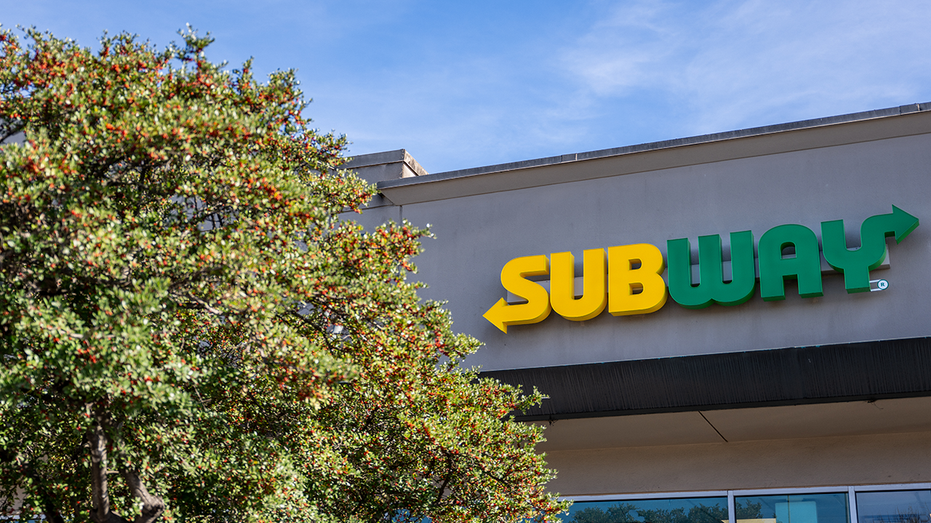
x: 870, y: 505
x: 903, y: 506
x: 795, y: 508
x: 678, y: 510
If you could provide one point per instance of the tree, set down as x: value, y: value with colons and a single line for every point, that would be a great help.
x: 191, y: 332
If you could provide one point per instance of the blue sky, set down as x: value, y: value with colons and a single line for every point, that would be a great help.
x: 463, y: 84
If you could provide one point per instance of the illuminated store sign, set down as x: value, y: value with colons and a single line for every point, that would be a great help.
x: 627, y: 279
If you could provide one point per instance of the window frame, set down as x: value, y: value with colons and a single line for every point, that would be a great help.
x: 850, y: 490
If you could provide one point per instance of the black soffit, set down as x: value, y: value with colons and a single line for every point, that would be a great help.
x: 792, y: 376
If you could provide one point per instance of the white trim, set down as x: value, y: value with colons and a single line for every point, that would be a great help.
x: 802, y: 490
x: 896, y: 486
x: 852, y: 504
x: 659, y: 495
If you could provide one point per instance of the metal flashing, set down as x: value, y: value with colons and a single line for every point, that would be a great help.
x: 879, y: 124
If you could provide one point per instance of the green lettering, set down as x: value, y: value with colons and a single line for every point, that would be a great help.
x: 711, y: 288
x: 856, y: 264
x: 804, y: 265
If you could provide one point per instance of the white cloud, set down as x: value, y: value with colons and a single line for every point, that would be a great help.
x: 738, y: 62
x: 624, y: 50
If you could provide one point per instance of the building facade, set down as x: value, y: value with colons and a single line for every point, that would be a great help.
x: 731, y: 327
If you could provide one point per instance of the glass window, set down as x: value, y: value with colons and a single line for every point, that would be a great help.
x: 794, y: 508
x: 678, y: 510
x: 904, y: 506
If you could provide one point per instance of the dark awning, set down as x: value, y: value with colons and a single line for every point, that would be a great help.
x: 791, y: 376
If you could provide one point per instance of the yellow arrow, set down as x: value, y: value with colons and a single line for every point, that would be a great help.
x: 513, y: 279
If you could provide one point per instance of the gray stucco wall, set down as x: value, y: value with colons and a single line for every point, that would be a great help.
x: 476, y: 235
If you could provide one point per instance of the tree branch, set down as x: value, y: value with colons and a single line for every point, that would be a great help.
x: 152, y: 506
x: 446, y: 480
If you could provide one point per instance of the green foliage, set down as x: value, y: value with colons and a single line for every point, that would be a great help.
x: 190, y: 332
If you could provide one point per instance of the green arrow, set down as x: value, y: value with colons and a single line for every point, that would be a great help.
x: 901, y: 222
x: 856, y: 264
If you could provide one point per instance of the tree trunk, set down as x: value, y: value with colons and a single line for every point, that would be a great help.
x: 100, y: 498
x: 152, y: 506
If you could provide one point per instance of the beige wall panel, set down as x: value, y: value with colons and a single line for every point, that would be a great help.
x: 628, y: 431
x: 812, y: 462
x: 827, y: 419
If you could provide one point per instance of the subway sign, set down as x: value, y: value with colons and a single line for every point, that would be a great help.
x: 627, y: 279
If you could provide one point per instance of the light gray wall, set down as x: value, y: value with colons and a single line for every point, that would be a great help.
x: 16, y: 138
x: 477, y: 235
x: 375, y: 216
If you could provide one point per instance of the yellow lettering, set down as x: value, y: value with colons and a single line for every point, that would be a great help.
x: 631, y: 289
x: 594, y: 289
x: 513, y: 279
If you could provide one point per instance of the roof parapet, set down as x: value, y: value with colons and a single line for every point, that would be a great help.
x: 383, y: 166
x: 693, y: 140
x: 756, y: 141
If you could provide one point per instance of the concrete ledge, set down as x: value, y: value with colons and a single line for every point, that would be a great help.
x: 385, y: 166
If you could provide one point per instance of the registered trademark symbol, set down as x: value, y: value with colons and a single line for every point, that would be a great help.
x: 878, y: 285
